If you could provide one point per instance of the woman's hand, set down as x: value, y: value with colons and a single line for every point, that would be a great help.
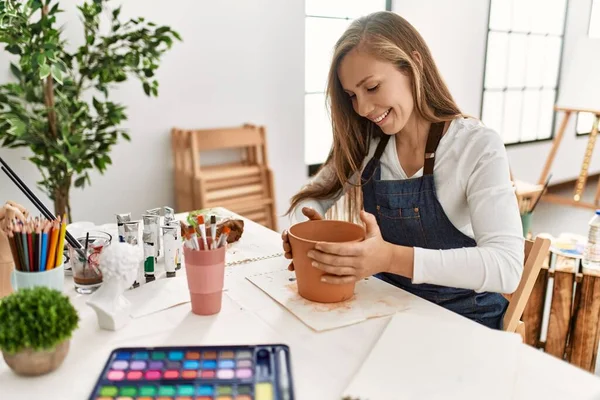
x: 351, y: 262
x: 310, y: 214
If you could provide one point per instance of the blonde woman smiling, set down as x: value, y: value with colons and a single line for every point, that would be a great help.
x: 433, y: 185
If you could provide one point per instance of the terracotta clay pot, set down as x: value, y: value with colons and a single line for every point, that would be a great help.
x: 29, y: 362
x: 303, y: 238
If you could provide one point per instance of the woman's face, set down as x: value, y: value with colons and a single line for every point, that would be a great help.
x: 377, y: 89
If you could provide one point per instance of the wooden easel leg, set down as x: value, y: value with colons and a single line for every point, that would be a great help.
x: 555, y: 145
x: 583, y: 175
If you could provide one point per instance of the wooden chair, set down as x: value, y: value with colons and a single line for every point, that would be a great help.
x: 245, y: 186
x: 535, y: 253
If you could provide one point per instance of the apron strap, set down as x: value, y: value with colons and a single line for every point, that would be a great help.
x: 433, y: 140
x: 381, y: 146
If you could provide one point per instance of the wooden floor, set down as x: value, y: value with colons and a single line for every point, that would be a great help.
x: 555, y: 218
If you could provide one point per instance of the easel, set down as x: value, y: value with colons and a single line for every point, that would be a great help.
x: 583, y: 175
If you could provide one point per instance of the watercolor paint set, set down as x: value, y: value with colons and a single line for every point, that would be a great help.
x: 261, y: 372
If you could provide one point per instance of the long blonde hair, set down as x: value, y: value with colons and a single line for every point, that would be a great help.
x: 388, y: 37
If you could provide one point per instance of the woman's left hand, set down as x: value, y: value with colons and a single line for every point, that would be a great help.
x: 351, y: 262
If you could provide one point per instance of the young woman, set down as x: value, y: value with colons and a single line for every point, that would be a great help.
x: 440, y: 212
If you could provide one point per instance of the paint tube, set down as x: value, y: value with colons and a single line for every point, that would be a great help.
x: 121, y: 219
x: 176, y: 224
x: 132, y: 229
x: 149, y: 239
x: 169, y: 214
x: 153, y: 211
x: 170, y: 242
x: 131, y: 232
x: 157, y: 248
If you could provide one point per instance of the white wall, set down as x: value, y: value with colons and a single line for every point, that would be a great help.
x: 240, y: 61
x: 456, y: 33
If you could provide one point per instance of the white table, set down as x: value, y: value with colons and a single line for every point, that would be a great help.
x: 322, y: 363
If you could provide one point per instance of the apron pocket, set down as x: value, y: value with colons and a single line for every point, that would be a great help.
x: 401, y: 226
x: 398, y: 213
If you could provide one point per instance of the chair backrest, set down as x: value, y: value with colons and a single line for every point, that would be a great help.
x: 535, y: 253
x: 251, y: 139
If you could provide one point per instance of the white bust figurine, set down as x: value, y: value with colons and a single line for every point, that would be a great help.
x: 119, y: 265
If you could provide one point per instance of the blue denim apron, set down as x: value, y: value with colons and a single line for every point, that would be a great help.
x: 409, y: 214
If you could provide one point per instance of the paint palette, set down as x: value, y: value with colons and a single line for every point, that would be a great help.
x: 201, y: 373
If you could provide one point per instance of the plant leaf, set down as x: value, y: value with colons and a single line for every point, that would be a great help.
x: 15, y: 71
x: 80, y: 182
x: 44, y: 71
x: 57, y: 74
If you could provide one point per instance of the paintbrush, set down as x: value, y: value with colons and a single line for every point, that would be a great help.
x: 202, y: 229
x: 213, y: 231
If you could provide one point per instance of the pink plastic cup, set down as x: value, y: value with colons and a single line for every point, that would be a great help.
x: 205, y: 272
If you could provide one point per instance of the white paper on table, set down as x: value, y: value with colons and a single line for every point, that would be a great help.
x: 459, y: 362
x: 158, y: 295
x: 372, y: 298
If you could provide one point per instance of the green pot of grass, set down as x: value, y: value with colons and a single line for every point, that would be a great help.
x: 35, y: 328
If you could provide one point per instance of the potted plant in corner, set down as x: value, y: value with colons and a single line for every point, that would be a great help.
x: 58, y: 105
x: 35, y: 329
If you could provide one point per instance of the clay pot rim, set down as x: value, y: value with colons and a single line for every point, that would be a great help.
x: 353, y: 225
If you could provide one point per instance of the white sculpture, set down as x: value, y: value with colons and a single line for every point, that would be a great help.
x: 119, y: 265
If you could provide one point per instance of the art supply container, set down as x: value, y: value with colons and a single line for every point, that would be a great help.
x: 205, y: 270
x: 303, y: 238
x: 53, y: 279
x: 86, y: 269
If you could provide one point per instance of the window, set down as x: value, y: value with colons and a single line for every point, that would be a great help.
x: 523, y: 57
x: 585, y: 120
x: 325, y: 22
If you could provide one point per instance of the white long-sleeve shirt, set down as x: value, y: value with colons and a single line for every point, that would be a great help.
x: 473, y: 185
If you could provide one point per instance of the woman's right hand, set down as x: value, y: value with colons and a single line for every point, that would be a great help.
x: 310, y: 214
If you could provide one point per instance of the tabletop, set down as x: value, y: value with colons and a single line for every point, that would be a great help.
x: 323, y: 363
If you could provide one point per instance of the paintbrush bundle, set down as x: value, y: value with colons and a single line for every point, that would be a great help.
x: 37, y: 243
x: 204, y: 234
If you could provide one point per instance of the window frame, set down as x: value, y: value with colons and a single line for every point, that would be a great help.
x: 558, y: 80
x: 314, y: 168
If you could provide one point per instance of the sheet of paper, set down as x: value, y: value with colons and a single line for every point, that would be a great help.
x: 372, y: 298
x: 158, y: 295
x: 459, y: 362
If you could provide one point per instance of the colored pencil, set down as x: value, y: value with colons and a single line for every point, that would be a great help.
x: 52, y: 246
x: 45, y: 231
x: 31, y: 249
x: 61, y: 243
x: 13, y: 249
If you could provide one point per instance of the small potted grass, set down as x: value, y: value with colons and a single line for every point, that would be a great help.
x: 35, y: 328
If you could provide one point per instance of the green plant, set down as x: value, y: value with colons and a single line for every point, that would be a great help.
x: 38, y: 318
x: 58, y: 106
